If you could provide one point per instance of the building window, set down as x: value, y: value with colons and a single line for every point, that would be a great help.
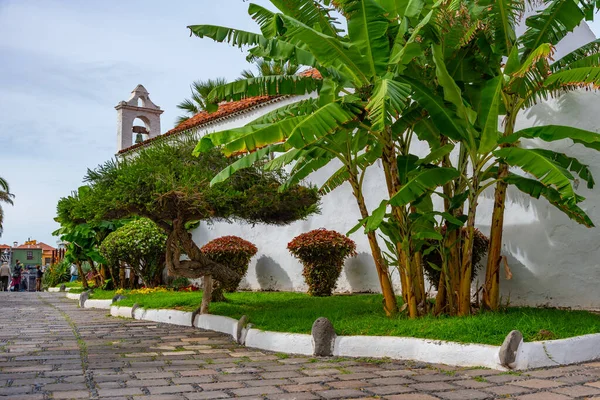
x: 29, y: 255
x: 47, y: 261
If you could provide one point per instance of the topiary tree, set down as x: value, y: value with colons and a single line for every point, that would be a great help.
x: 322, y: 253
x: 141, y: 244
x: 168, y: 185
x: 233, y: 252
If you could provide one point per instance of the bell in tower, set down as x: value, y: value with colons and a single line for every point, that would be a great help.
x: 139, y: 106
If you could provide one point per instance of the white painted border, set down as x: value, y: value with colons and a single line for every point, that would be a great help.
x: 552, y: 353
x: 103, y: 304
x: 406, y: 348
x: 529, y: 355
x: 217, y: 323
x: 295, y: 343
x: 57, y: 289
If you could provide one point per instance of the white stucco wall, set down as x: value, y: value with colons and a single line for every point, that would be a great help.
x: 554, y: 261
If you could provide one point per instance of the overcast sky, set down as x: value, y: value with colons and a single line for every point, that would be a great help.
x: 64, y: 65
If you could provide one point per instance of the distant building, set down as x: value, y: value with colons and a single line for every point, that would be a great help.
x: 32, y: 253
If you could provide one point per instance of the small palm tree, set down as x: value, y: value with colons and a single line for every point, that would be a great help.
x: 6, y: 197
x: 200, y: 91
x: 267, y: 68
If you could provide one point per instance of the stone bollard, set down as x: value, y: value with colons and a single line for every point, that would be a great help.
x: 82, y: 298
x: 195, y: 313
x: 117, y: 298
x: 508, y: 350
x: 241, y: 331
x: 63, y: 288
x: 135, y: 306
x: 323, y: 337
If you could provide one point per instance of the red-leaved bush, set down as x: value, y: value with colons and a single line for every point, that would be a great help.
x: 322, y: 253
x: 233, y: 252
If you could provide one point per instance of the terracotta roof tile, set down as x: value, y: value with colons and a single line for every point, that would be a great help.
x: 45, y: 246
x: 224, y: 110
x: 29, y: 246
x: 312, y: 72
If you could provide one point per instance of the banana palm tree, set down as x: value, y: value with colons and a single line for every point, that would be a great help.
x: 404, y: 72
x: 5, y: 197
x: 531, y: 76
x: 198, y: 102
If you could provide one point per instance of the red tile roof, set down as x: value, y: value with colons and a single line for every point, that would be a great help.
x: 312, y: 72
x: 45, y: 246
x: 28, y: 246
x: 4, y: 246
x: 225, y: 110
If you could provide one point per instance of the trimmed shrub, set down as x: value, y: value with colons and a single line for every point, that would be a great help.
x: 480, y: 248
x: 322, y: 254
x: 233, y: 252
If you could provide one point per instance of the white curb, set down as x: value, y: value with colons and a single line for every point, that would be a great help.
x: 217, y: 323
x: 529, y: 355
x: 104, y: 304
x: 406, y: 348
x: 295, y: 343
x: 558, y: 352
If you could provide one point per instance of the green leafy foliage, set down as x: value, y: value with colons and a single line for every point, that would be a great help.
x: 141, y: 244
x: 233, y: 252
x: 56, y: 274
x: 322, y: 252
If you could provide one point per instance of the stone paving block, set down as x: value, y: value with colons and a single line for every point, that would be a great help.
x: 308, y: 387
x: 119, y: 392
x: 71, y: 394
x: 578, y: 391
x: 341, y: 394
x: 220, y: 386
x: 256, y: 391
x: 391, y: 389
x: 464, y: 394
x: 412, y: 396
x: 594, y: 384
x: 472, y: 384
x: 507, y: 390
x: 543, y: 396
x: 323, y: 371
x: 207, y: 395
x: 171, y: 389
x: 350, y: 384
x: 147, y: 382
x: 292, y: 396
x: 432, y: 386
x: 391, y: 381
x: 538, y: 383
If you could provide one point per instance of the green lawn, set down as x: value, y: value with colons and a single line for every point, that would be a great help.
x: 362, y: 314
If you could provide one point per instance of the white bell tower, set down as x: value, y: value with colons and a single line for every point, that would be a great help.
x: 139, y: 106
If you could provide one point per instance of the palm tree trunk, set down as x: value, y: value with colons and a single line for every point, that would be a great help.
x: 464, y: 295
x: 491, y: 289
x: 390, y: 304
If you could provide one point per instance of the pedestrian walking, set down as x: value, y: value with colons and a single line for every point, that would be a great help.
x: 74, y: 273
x: 16, y: 276
x: 4, y: 277
x: 38, y: 279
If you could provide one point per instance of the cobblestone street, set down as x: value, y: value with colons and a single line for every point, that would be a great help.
x: 51, y: 349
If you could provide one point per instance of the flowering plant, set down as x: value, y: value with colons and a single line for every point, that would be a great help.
x: 233, y: 252
x: 322, y: 252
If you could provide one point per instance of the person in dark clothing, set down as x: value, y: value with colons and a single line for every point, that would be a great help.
x: 16, y: 277
x: 38, y: 279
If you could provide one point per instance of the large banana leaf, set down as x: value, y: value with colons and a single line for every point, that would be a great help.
x: 308, y: 12
x: 422, y: 183
x: 271, y: 85
x: 367, y: 27
x: 245, y: 162
x: 551, y: 133
x: 234, y: 37
x: 442, y: 116
x: 589, y: 52
x: 297, y: 109
x: 574, y: 77
x: 404, y: 51
x: 399, y: 9
x: 387, y: 102
x: 551, y: 24
x: 307, y: 168
x: 452, y: 92
x: 342, y: 175
x: 329, y: 51
x: 319, y: 124
x: 535, y: 188
x: 546, y: 170
x: 504, y: 15
x: 248, y: 138
x: 570, y: 163
x: 491, y: 98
